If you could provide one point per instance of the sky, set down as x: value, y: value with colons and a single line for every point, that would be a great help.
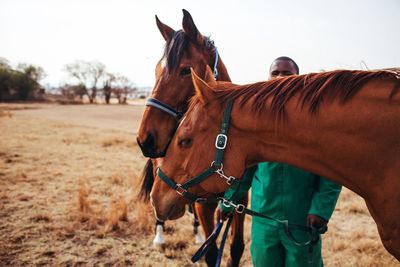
x: 122, y: 34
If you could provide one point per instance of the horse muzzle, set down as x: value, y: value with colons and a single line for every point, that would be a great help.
x: 149, y: 148
x: 168, y: 212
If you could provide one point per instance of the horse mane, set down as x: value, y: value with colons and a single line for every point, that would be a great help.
x: 147, y: 177
x: 313, y: 88
x: 177, y: 45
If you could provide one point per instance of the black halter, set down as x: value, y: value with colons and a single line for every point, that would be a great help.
x: 153, y: 102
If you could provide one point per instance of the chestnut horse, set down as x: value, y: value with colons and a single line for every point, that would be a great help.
x: 184, y: 50
x: 343, y: 124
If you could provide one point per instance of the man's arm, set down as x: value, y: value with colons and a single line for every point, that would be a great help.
x: 324, y: 200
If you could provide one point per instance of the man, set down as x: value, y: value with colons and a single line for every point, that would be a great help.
x: 284, y: 192
x: 283, y: 66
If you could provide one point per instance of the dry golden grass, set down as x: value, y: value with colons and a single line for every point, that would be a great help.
x: 4, y: 113
x: 68, y: 185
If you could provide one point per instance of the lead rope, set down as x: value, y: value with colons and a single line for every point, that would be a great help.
x: 206, y: 245
x: 315, y: 234
x: 240, y: 208
x: 213, y: 238
x: 222, y: 244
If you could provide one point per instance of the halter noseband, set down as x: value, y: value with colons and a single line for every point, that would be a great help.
x: 164, y: 107
x: 216, y: 166
x: 153, y: 102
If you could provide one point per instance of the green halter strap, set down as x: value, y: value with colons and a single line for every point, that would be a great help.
x: 216, y: 166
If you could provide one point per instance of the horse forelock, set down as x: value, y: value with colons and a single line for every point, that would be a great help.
x: 174, y: 49
x: 313, y: 88
x: 177, y: 46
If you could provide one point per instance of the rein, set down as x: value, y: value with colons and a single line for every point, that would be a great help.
x: 153, y: 102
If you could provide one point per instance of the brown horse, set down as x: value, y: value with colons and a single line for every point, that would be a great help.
x: 184, y: 50
x: 343, y: 124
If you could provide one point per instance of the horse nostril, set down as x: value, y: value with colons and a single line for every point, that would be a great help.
x: 149, y: 142
x: 148, y: 147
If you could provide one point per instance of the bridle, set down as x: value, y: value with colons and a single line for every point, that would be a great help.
x: 216, y: 165
x: 153, y: 102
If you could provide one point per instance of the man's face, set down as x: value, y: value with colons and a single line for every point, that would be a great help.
x: 280, y: 68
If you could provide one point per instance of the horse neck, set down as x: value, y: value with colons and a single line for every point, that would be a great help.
x: 337, y: 142
x: 294, y: 141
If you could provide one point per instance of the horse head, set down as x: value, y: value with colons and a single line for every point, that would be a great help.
x: 192, y: 150
x: 185, y: 49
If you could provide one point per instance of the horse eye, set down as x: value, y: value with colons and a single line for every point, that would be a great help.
x: 185, y: 143
x: 185, y: 71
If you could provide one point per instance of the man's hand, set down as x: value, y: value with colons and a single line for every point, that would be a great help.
x: 315, y: 221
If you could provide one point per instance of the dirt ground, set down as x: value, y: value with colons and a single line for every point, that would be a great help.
x: 68, y: 184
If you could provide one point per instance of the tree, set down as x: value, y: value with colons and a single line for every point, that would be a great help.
x: 72, y: 91
x: 107, y: 92
x: 107, y: 88
x: 88, y: 74
x: 35, y: 73
x: 79, y: 90
x: 122, y: 87
x: 4, y: 64
x: 5, y: 80
x: 20, y: 84
x: 27, y: 80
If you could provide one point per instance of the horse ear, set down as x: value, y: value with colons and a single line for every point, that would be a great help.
x: 203, y: 90
x: 209, y: 77
x: 190, y: 28
x: 166, y: 31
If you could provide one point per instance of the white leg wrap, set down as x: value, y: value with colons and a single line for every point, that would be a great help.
x: 159, y: 238
x: 199, y: 238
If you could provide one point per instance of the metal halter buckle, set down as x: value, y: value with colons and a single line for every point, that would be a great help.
x: 240, y: 208
x: 230, y: 180
x: 220, y: 141
x: 180, y: 190
x: 216, y: 167
x: 226, y: 203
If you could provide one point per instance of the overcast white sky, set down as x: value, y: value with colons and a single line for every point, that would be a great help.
x: 249, y: 34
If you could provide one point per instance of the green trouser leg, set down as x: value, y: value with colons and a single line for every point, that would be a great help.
x: 270, y: 247
x: 268, y: 253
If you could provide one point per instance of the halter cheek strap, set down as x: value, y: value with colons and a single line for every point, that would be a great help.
x: 216, y: 64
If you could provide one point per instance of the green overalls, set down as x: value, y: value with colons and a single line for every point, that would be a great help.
x: 285, y: 192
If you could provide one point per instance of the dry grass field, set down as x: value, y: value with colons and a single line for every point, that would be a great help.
x: 68, y: 184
